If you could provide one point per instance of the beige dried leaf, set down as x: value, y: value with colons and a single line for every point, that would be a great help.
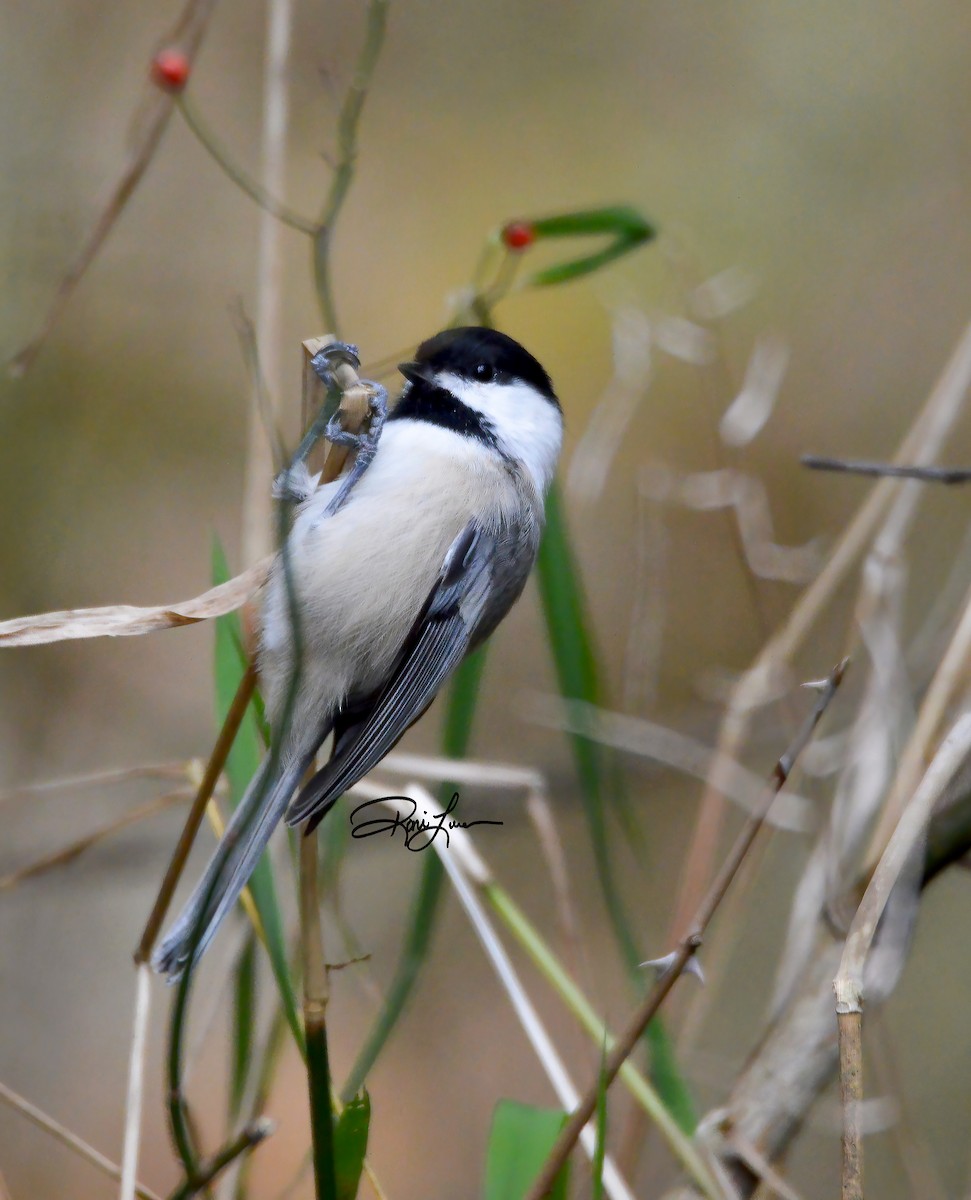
x: 127, y: 620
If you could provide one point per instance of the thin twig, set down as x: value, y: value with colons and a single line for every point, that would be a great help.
x: 687, y: 948
x: 172, y: 770
x: 859, y: 466
x: 217, y: 760
x: 347, y: 124
x: 256, y: 507
x: 949, y: 676
x: 67, y: 1138
x: 921, y: 444
x: 529, y: 1019
x: 246, y: 332
x: 851, y: 1099
x: 849, y: 981
x: 187, y: 35
x: 248, y: 1138
x: 68, y: 854
x: 211, y: 144
x: 136, y: 1076
x: 316, y: 992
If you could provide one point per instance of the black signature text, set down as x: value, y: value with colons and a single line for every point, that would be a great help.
x: 419, y: 831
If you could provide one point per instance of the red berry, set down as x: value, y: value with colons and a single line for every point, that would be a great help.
x: 170, y: 69
x: 517, y: 235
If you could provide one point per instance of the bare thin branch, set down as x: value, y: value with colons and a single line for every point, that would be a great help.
x: 921, y: 445
x: 686, y: 950
x: 39, y: 1118
x: 172, y: 770
x: 136, y: 1076
x: 187, y: 35
x: 60, y: 858
x: 859, y: 466
x: 216, y: 151
x: 347, y: 126
x: 217, y: 760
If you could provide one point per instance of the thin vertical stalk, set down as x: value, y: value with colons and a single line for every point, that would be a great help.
x: 315, y: 997
x: 256, y: 524
x: 136, y: 1076
x: 347, y: 123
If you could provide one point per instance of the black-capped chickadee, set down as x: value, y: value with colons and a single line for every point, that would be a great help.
x: 391, y: 591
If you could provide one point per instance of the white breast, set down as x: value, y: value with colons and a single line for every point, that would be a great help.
x: 363, y: 575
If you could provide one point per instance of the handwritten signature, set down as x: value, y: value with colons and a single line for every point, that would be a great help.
x: 415, y: 828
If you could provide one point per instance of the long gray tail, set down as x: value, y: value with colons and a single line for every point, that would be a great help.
x: 229, y: 869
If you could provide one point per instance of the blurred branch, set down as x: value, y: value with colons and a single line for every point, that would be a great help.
x: 39, y: 1118
x: 849, y: 981
x: 858, y: 466
x: 169, y: 770
x: 948, y: 678
x: 689, y: 944
x: 250, y: 1137
x: 215, y: 149
x: 68, y: 854
x: 456, y: 854
x: 920, y: 446
x: 217, y: 760
x: 316, y: 992
x: 347, y: 124
x: 797, y: 1056
x: 268, y: 335
x: 187, y: 35
x: 246, y: 332
x: 136, y: 1079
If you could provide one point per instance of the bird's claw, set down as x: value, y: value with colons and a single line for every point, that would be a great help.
x: 331, y: 356
x: 364, y: 444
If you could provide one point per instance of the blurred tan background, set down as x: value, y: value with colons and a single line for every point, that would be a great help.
x: 823, y: 150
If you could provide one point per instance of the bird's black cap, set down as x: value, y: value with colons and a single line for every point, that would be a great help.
x: 475, y: 352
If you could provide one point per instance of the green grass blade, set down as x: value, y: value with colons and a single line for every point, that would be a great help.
x: 578, y: 676
x: 350, y: 1145
x: 460, y: 709
x: 600, y: 1147
x: 321, y: 1111
x: 567, y: 627
x: 520, y: 1141
x: 244, y: 1012
x: 241, y: 765
x: 625, y: 227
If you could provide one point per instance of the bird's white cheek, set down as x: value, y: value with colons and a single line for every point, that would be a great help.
x: 528, y: 426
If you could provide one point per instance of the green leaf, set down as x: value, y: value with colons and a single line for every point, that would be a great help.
x: 321, y: 1111
x: 600, y: 1148
x: 350, y: 1145
x: 241, y: 765
x: 520, y: 1141
x: 625, y: 227
x: 244, y: 1005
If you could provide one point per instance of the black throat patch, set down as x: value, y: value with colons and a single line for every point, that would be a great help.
x: 437, y: 406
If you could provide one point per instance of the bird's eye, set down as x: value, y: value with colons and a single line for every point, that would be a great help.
x: 483, y: 372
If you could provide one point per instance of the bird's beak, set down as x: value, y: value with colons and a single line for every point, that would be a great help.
x: 414, y: 372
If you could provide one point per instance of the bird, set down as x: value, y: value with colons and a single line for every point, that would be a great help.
x: 380, y: 591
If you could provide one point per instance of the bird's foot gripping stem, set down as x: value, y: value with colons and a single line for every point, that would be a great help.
x: 363, y: 445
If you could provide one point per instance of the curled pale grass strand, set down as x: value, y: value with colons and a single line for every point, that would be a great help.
x: 127, y: 620
x: 746, y: 416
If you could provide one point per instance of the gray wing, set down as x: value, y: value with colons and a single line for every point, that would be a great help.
x: 439, y: 640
